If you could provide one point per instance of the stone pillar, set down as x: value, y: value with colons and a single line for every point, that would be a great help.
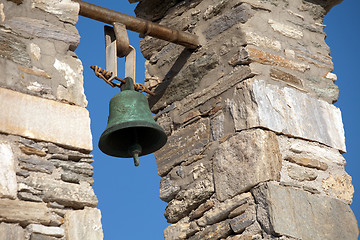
x: 255, y: 143
x: 45, y: 138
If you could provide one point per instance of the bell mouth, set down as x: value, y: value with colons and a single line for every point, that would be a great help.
x: 117, y: 140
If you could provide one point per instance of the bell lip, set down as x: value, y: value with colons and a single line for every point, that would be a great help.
x: 159, y: 144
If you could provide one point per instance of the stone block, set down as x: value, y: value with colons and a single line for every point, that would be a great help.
x: 244, y: 160
x: 11, y: 232
x: 182, y: 144
x: 44, y: 120
x: 84, y: 224
x: 36, y: 236
x: 201, y: 209
x: 222, y: 210
x: 188, y: 200
x: 278, y: 74
x: 43, y: 29
x: 286, y: 110
x: 8, y: 183
x: 25, y: 213
x: 14, y: 49
x: 65, y: 10
x: 301, y: 215
x: 339, y: 186
x: 255, y: 39
x: 301, y: 174
x: 240, y: 223
x: 67, y: 194
x: 286, y: 30
x: 217, y: 231
x: 239, y: 14
x: 49, y: 231
x: 247, y: 55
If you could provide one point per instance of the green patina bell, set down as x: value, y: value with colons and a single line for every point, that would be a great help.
x: 131, y: 130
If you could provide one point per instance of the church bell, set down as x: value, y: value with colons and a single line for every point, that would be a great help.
x: 131, y: 130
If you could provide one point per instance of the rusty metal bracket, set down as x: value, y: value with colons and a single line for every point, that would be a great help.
x: 139, y: 25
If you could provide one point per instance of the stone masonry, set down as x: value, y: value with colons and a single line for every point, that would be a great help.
x: 45, y: 138
x: 255, y: 143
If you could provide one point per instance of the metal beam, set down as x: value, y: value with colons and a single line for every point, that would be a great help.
x: 139, y: 25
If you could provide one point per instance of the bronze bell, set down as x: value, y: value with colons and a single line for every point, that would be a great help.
x: 131, y: 130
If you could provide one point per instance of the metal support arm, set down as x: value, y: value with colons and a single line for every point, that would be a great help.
x: 138, y: 25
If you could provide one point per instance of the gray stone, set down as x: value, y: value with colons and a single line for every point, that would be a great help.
x: 188, y: 200
x: 36, y: 236
x: 239, y: 210
x: 199, y: 212
x: 67, y: 194
x: 301, y: 174
x: 45, y: 120
x: 28, y: 196
x: 8, y: 183
x: 25, y: 213
x: 84, y: 224
x: 50, y: 231
x: 82, y: 168
x: 217, y: 231
x: 240, y: 223
x: 72, y: 177
x: 244, y: 160
x: 167, y: 190
x: 37, y: 165
x: 43, y: 29
x: 14, y: 49
x: 182, y: 144
x: 180, y: 231
x: 11, y: 232
x: 239, y: 14
x: 285, y: 110
x: 298, y: 214
x: 66, y: 11
x: 221, y: 211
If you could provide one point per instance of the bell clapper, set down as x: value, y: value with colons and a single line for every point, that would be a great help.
x: 135, y: 150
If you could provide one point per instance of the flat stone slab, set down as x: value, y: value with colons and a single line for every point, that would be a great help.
x: 84, y: 224
x: 287, y: 111
x: 45, y: 120
x: 299, y: 214
x: 8, y: 183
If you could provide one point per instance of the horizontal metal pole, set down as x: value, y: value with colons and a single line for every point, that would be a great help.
x: 138, y: 25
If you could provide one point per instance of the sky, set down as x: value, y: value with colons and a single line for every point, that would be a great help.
x: 129, y: 196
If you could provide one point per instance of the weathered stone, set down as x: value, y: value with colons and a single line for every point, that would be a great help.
x: 307, y: 162
x: 183, y: 144
x: 214, y: 10
x: 318, y: 60
x: 82, y: 168
x: 72, y: 177
x: 240, y: 223
x: 339, y: 186
x: 188, y: 200
x: 242, y: 237
x: 32, y: 151
x: 8, y: 183
x: 246, y: 55
x: 221, y: 211
x: 14, y: 49
x: 67, y: 194
x: 285, y: 110
x: 26, y: 213
x: 178, y: 231
x: 11, y: 232
x: 217, y: 125
x: 65, y: 10
x: 286, y: 77
x: 286, y: 30
x: 239, y: 14
x: 49, y: 231
x: 36, y: 236
x: 253, y: 38
x: 43, y: 29
x: 301, y: 174
x: 84, y: 224
x: 254, y: 149
x: 295, y: 213
x: 44, y: 120
x: 36, y: 72
x: 239, y: 210
x: 213, y: 232
x: 201, y: 209
x: 167, y: 189
x: 28, y: 196
x: 37, y: 165
x: 331, y: 76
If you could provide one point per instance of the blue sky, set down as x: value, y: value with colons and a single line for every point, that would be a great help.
x: 129, y: 196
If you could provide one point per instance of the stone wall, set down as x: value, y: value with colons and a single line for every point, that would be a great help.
x: 45, y: 138
x: 255, y: 143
